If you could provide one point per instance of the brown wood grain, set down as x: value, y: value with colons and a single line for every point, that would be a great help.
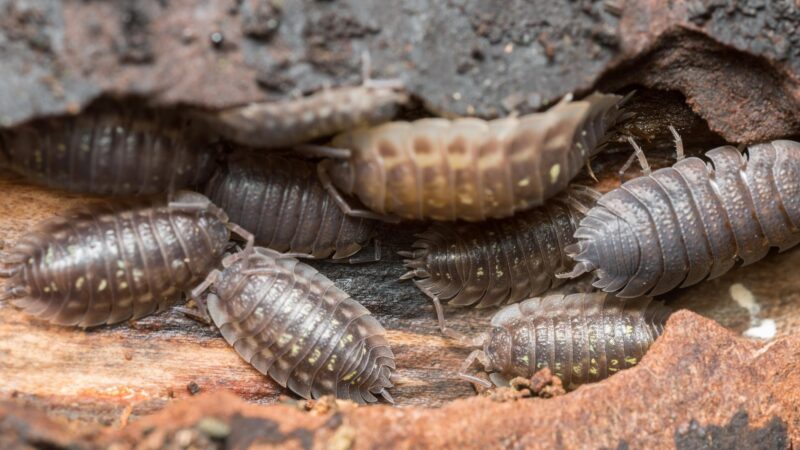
x: 138, y: 367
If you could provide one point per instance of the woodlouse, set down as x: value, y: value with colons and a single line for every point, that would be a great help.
x: 113, y: 261
x: 680, y: 225
x: 281, y: 201
x: 329, y: 111
x: 291, y: 322
x: 110, y: 152
x: 581, y: 338
x: 468, y: 168
x: 500, y: 261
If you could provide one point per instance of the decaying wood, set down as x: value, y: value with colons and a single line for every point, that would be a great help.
x: 95, y: 375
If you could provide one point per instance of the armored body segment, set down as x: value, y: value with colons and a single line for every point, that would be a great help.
x: 581, y: 338
x: 281, y: 201
x: 692, y: 221
x: 290, y: 322
x: 500, y: 261
x: 110, y: 152
x: 111, y: 262
x: 471, y: 169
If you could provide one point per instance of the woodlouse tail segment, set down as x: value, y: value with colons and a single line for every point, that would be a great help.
x: 386, y: 396
x: 578, y: 251
x: 481, y: 357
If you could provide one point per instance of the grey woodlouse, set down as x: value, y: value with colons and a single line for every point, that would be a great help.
x: 467, y: 168
x: 581, y: 338
x: 680, y: 225
x: 329, y: 111
x: 110, y: 152
x: 114, y: 261
x: 500, y: 261
x: 291, y: 322
x: 281, y: 201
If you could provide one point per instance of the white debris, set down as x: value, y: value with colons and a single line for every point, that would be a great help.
x: 765, y: 330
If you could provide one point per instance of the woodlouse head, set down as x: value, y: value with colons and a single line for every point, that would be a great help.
x: 498, y: 347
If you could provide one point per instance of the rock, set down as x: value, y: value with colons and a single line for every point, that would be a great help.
x: 738, y: 65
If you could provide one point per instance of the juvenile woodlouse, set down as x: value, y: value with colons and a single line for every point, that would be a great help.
x: 281, y: 201
x: 110, y: 152
x: 581, y: 338
x: 291, y: 322
x: 468, y: 168
x: 114, y: 261
x: 329, y: 111
x: 680, y: 225
x: 501, y: 261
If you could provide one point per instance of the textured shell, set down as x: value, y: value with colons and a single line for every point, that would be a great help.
x: 472, y: 169
x: 283, y: 204
x: 287, y: 123
x: 109, y: 153
x: 581, y: 338
x: 692, y: 221
x: 501, y: 261
x: 111, y: 262
x: 291, y: 323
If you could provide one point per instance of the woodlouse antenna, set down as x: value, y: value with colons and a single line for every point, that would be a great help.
x: 679, y: 152
x: 322, y: 151
x: 366, y: 76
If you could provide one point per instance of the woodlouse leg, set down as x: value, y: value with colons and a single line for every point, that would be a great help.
x: 640, y: 155
x: 462, y: 373
x: 341, y: 201
x: 625, y: 167
x: 9, y: 272
x: 322, y: 151
x: 679, y: 152
x: 202, y: 287
x: 590, y: 171
x: 366, y: 76
x: 363, y: 257
x: 249, y: 238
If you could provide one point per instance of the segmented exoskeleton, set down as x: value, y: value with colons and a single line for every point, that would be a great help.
x: 500, y: 261
x: 287, y: 123
x: 289, y: 321
x: 467, y: 169
x: 110, y: 262
x: 581, y: 338
x: 281, y: 201
x: 680, y: 225
x: 110, y: 151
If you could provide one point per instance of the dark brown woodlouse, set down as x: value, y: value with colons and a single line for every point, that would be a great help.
x: 110, y: 152
x: 680, y: 225
x: 468, y: 168
x: 581, y: 338
x: 287, y: 123
x: 292, y: 323
x: 501, y: 261
x: 281, y: 201
x: 114, y: 261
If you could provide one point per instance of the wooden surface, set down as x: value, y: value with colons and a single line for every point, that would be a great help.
x: 106, y: 373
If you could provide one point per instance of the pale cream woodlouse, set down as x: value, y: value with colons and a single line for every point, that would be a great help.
x: 581, y: 338
x: 292, y: 323
x: 110, y: 151
x: 281, y: 201
x: 113, y: 261
x: 693, y: 221
x: 467, y: 168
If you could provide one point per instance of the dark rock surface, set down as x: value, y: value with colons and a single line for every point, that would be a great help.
x: 738, y: 63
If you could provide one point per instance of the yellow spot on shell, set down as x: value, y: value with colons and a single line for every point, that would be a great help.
x: 123, y: 285
x: 314, y: 356
x: 479, y: 271
x: 79, y: 283
x: 593, y: 370
x: 102, y: 286
x: 631, y: 360
x: 554, y: 172
x: 349, y: 376
x: 524, y: 182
